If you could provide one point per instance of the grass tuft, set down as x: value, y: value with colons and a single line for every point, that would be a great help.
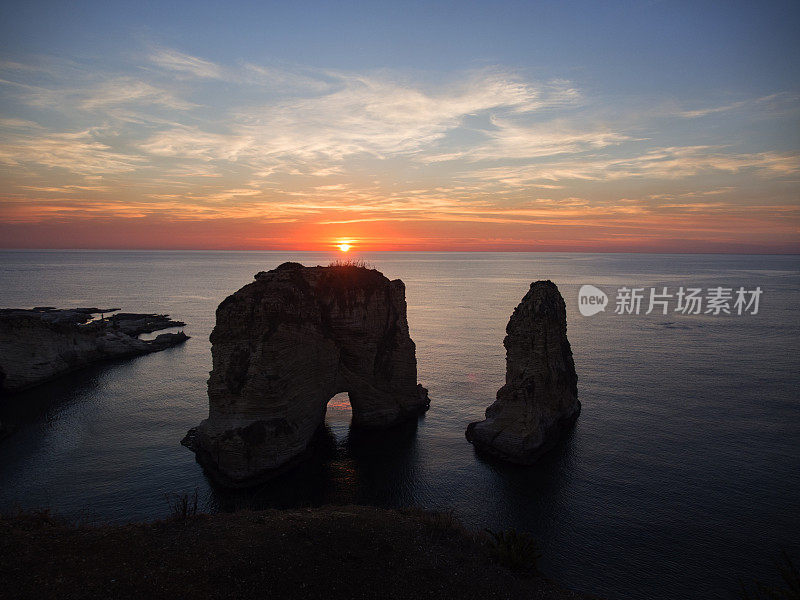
x: 438, y: 523
x: 353, y: 263
x: 515, y: 550
x: 182, y: 506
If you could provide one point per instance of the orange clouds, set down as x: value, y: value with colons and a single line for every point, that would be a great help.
x: 182, y: 152
x: 569, y: 225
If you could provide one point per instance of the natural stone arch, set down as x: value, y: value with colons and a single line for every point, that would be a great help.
x: 286, y: 344
x: 338, y: 415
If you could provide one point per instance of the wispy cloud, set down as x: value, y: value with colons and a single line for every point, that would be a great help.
x: 79, y: 152
x: 194, y: 143
x: 367, y: 115
x: 657, y: 163
x: 129, y: 91
x: 288, y: 143
x: 322, y: 119
x: 509, y: 139
x: 67, y: 189
x: 759, y: 103
x: 185, y: 64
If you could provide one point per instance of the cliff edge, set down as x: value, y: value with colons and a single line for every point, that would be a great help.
x: 326, y: 553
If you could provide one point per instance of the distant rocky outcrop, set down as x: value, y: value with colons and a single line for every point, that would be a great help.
x: 42, y: 343
x: 540, y: 397
x: 283, y: 346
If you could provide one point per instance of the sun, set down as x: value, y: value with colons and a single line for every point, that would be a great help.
x: 344, y: 247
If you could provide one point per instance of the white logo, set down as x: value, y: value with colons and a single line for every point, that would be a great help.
x: 591, y: 300
x: 660, y: 301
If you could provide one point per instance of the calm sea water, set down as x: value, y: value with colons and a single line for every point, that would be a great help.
x: 682, y: 474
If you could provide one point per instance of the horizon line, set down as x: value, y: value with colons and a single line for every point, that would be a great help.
x: 335, y: 252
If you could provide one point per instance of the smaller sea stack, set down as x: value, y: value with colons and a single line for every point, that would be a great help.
x: 539, y: 400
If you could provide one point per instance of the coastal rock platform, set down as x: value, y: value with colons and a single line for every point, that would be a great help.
x: 40, y: 344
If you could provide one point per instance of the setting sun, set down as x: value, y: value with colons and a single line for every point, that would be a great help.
x: 344, y: 247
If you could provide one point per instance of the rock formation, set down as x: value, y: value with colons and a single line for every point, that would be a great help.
x: 283, y: 346
x: 540, y: 397
x: 42, y: 343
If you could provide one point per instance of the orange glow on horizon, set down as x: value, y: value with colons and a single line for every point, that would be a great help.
x: 653, y: 229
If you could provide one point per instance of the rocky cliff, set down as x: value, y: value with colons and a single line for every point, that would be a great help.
x: 42, y: 343
x: 283, y: 346
x: 540, y: 397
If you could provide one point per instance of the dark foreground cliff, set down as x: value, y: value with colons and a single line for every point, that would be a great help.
x: 328, y: 553
x: 40, y: 344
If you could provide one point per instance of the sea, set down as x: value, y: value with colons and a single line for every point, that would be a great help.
x: 680, y: 479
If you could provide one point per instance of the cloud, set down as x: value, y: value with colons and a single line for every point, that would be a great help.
x: 18, y: 124
x: 193, y: 143
x: 290, y: 143
x: 172, y: 60
x: 365, y: 115
x: 657, y: 163
x: 300, y: 80
x: 693, y: 114
x: 771, y: 101
x: 491, y: 124
x: 510, y: 139
x: 379, y: 116
x: 127, y: 91
x: 75, y: 90
x: 67, y: 189
x: 77, y: 152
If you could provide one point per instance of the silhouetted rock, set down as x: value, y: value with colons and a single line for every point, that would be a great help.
x: 42, y: 343
x: 283, y: 346
x: 540, y: 397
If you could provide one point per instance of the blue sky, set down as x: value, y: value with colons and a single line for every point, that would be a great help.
x: 514, y: 125
x: 628, y: 47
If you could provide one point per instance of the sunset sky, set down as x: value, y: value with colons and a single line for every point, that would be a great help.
x: 575, y: 126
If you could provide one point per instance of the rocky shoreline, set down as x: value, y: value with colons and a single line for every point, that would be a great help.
x: 40, y: 344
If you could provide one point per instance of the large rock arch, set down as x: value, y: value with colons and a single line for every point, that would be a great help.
x: 283, y: 346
